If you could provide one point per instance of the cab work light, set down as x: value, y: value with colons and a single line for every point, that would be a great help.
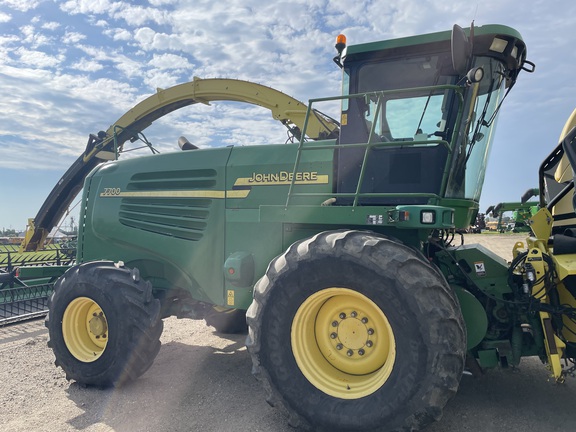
x: 427, y: 217
x: 498, y: 45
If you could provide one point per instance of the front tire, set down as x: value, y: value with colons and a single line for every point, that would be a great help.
x: 104, y: 325
x: 349, y: 330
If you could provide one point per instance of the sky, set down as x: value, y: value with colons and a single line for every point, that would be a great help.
x: 70, y: 68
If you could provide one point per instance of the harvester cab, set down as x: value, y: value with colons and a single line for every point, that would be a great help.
x: 426, y: 110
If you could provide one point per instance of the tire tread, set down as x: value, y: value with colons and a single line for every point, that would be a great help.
x: 380, y: 252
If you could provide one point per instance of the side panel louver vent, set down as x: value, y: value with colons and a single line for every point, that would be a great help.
x: 169, y: 214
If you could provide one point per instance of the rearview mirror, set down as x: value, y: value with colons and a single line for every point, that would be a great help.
x: 461, y: 51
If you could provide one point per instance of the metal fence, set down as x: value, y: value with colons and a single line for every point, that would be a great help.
x: 24, y: 302
x: 21, y: 298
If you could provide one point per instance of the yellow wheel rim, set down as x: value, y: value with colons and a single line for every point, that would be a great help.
x: 343, y: 343
x: 85, y: 329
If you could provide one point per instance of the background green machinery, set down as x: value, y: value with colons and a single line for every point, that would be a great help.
x: 362, y: 310
x: 521, y: 214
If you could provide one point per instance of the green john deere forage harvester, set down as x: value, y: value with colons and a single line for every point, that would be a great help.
x: 361, y: 313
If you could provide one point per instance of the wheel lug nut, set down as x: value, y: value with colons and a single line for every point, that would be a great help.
x: 365, y: 320
x: 94, y: 314
x: 342, y: 315
x: 97, y: 337
x: 333, y: 335
x: 339, y: 346
x: 370, y: 331
x: 361, y: 352
x: 334, y: 323
x: 349, y: 353
x: 369, y: 344
x: 354, y: 314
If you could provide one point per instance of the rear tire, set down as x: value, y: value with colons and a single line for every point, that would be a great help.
x: 350, y: 331
x: 104, y: 325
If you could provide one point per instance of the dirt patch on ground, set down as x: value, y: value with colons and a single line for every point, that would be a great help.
x: 199, y: 381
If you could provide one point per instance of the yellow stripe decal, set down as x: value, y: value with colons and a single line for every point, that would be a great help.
x: 241, y: 193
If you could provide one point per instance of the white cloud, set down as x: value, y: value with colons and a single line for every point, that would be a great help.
x: 138, y: 15
x: 118, y: 34
x: 163, y: 2
x: 149, y: 40
x: 52, y: 25
x: 169, y: 61
x: 21, y: 5
x: 68, y: 108
x: 144, y: 35
x: 73, y: 37
x: 33, y: 38
x: 6, y: 44
x: 38, y: 59
x: 160, y: 79
x: 129, y: 67
x: 75, y: 7
x: 134, y: 15
x: 86, y: 65
x: 4, y: 17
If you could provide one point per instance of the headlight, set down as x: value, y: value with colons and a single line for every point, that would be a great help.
x: 427, y: 217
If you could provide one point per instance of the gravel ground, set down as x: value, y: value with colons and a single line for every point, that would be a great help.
x: 201, y: 381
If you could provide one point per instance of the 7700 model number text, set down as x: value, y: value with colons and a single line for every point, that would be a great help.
x: 111, y: 192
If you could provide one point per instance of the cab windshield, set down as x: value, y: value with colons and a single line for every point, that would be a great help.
x: 409, y: 114
x: 407, y: 107
x: 413, y: 106
x: 477, y: 125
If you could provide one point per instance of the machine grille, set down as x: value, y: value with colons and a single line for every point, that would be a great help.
x: 177, y: 180
x: 174, y: 216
